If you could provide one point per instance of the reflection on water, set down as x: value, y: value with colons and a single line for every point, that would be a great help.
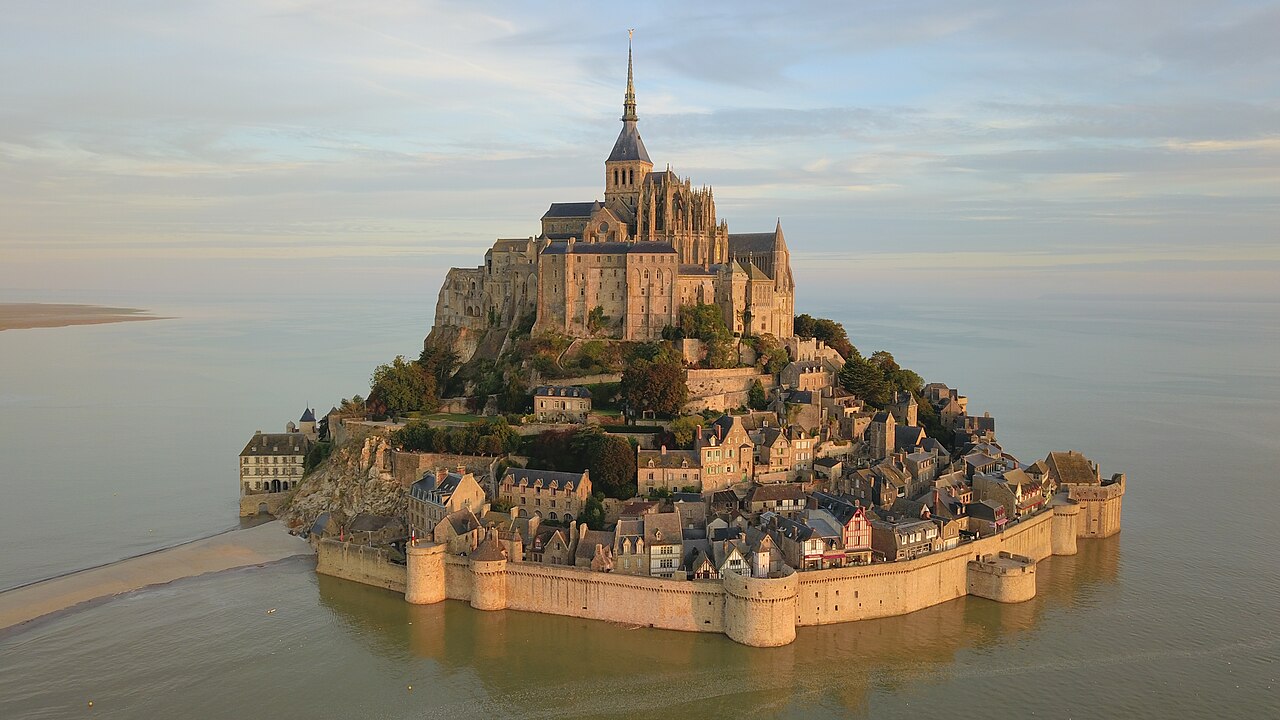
x: 556, y: 661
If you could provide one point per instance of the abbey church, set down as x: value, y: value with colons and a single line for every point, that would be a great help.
x: 623, y: 266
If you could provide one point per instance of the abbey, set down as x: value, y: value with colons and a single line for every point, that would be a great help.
x: 623, y: 266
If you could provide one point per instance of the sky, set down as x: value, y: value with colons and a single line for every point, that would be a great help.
x: 910, y: 148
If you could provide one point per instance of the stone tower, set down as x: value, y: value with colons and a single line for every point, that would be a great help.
x: 628, y: 163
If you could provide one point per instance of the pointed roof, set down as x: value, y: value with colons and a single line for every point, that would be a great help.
x: 308, y: 415
x: 629, y: 146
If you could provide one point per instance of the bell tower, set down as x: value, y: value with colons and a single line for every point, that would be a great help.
x: 629, y: 162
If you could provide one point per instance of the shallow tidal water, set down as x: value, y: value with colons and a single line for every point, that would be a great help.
x: 1174, y: 617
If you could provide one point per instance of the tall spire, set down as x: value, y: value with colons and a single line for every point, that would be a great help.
x: 629, y: 105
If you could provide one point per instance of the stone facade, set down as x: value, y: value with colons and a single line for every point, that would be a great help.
x: 760, y: 611
x: 622, y: 267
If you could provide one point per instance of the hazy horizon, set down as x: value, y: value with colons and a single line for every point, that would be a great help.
x: 985, y: 150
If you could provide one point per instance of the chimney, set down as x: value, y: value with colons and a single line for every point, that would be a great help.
x: 462, y: 469
x: 664, y: 449
x: 719, y: 431
x: 441, y: 474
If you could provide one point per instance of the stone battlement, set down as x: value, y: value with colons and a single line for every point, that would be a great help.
x: 762, y: 612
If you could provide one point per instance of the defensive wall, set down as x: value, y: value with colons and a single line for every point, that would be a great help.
x: 359, y: 563
x: 256, y: 503
x: 723, y: 389
x: 761, y: 612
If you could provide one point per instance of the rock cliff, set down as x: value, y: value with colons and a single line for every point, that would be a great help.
x: 355, y: 478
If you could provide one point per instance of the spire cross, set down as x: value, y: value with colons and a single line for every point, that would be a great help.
x: 629, y: 103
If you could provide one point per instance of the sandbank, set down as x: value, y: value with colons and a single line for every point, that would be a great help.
x: 265, y: 543
x: 23, y: 316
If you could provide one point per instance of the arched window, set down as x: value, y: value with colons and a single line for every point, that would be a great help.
x: 553, y: 515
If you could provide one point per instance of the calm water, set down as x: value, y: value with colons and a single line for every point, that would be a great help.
x: 116, y: 439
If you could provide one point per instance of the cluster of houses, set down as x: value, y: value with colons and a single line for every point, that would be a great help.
x: 755, y: 493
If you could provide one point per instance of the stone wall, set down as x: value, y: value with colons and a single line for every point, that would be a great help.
x: 251, y: 505
x: 359, y: 563
x: 761, y: 612
x: 409, y: 467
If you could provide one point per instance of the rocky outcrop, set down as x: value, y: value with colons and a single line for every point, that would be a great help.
x: 356, y: 478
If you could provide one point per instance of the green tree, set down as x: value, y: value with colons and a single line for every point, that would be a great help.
x: 401, y: 387
x: 596, y: 319
x: 866, y: 381
x: 440, y: 362
x: 756, y: 399
x: 705, y: 322
x: 613, y: 467
x: 683, y: 428
x: 593, y: 512
x: 655, y: 385
x: 828, y: 331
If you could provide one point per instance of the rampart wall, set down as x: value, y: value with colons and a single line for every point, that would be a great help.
x: 761, y: 612
x: 359, y: 563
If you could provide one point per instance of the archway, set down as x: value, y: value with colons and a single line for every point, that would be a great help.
x: 263, y: 509
x: 275, y: 486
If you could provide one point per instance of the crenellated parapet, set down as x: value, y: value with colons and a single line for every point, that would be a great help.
x: 1003, y: 577
x: 1100, y: 506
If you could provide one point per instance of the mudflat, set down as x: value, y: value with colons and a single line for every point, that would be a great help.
x: 265, y: 543
x: 22, y: 316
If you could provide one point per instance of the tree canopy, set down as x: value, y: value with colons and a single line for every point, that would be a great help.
x: 401, y: 387
x: 828, y: 331
x: 656, y: 384
x: 706, y: 323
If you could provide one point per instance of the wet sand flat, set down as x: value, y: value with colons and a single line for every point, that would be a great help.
x: 23, y: 316
x: 265, y: 543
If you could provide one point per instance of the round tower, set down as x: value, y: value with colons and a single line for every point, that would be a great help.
x: 489, y: 576
x: 424, y: 573
x: 760, y: 612
x: 1065, y: 528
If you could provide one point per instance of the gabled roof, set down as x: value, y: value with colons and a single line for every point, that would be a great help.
x: 662, y: 529
x: 549, y: 478
x: 571, y: 209
x: 586, y: 549
x: 781, y: 491
x: 745, y: 243
x: 1072, y: 467
x: 671, y: 459
x: 268, y: 444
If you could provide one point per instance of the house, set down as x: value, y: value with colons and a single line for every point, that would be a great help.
x: 889, y: 482
x: 699, y: 562
x: 594, y: 549
x: 994, y: 488
x: 671, y: 470
x: 636, y: 509
x: 553, y: 403
x: 630, y: 556
x: 514, y: 531
x: 664, y: 543
x: 904, y: 407
x: 374, y: 530
x: 803, y: 547
x: 731, y: 554
x: 725, y: 453
x: 802, y: 445
x: 773, y: 456
x: 828, y: 468
x: 903, y: 539
x: 273, y: 462
x: 724, y: 501
x: 923, y: 468
x: 1028, y: 494
x: 986, y: 517
x: 765, y: 557
x: 881, y: 435
x: 551, y: 546
x: 855, y: 528
x: 692, y: 512
x: 546, y: 494
x: 981, y: 429
x: 806, y: 375
x: 786, y: 499
x: 440, y: 493
x: 461, y: 532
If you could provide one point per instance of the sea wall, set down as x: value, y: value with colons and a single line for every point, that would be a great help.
x: 359, y: 563
x: 762, y: 612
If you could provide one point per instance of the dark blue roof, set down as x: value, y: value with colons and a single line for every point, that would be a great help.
x: 629, y: 146
x: 308, y: 416
x: 571, y: 209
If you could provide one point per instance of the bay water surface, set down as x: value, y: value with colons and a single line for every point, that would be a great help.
x: 119, y: 439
